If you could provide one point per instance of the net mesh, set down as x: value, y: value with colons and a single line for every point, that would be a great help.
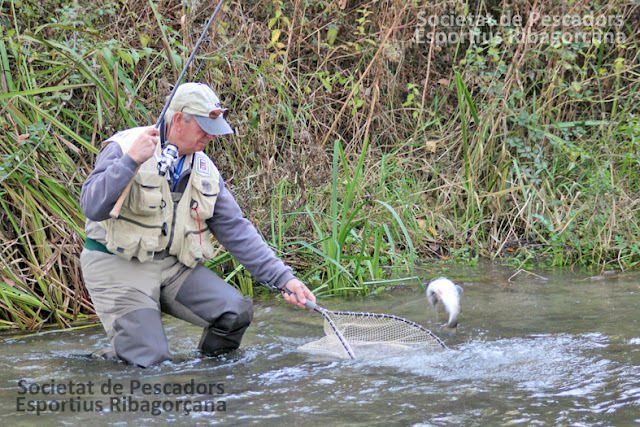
x: 366, y: 331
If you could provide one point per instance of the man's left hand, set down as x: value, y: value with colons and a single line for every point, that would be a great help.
x: 300, y: 293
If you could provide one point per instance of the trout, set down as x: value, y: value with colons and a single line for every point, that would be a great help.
x: 449, y: 294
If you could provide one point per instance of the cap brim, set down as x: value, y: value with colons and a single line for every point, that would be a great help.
x: 217, y: 126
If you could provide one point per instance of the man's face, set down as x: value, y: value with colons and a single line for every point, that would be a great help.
x: 188, y: 136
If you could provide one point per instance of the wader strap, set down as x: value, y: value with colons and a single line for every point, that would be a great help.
x: 94, y: 245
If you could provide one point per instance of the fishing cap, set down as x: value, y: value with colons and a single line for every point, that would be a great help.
x: 202, y: 102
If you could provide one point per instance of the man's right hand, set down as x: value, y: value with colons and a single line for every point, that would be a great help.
x: 145, y: 145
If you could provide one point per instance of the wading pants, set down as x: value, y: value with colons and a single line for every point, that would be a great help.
x: 129, y: 297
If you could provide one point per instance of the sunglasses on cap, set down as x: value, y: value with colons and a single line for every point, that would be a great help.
x: 215, y: 113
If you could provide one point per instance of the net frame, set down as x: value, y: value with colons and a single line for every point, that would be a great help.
x: 338, y: 340
x: 364, y: 330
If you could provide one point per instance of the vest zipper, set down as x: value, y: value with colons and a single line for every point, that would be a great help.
x: 139, y: 224
x: 173, y: 225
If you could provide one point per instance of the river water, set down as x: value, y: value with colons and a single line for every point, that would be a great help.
x: 559, y: 349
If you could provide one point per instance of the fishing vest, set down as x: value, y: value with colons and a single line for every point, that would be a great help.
x: 154, y: 219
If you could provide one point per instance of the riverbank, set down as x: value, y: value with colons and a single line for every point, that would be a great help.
x: 366, y: 137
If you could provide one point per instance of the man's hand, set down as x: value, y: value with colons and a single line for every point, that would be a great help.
x: 300, y: 293
x: 144, y: 145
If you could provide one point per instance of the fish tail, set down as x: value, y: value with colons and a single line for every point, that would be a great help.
x: 450, y: 330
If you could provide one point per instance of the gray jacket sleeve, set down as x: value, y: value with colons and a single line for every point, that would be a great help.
x: 112, y: 173
x: 244, y: 243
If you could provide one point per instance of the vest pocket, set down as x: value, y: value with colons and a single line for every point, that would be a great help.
x: 146, y: 196
x: 128, y: 238
x: 203, y: 199
x: 192, y: 251
x: 123, y: 240
x: 148, y: 245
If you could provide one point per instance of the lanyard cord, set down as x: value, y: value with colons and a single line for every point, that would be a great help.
x: 199, y: 228
x: 176, y: 174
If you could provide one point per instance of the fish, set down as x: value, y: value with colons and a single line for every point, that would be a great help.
x: 449, y: 294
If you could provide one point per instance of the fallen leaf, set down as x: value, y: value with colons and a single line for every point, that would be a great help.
x: 431, y: 146
x: 8, y: 281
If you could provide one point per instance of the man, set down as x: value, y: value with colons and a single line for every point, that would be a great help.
x: 150, y: 258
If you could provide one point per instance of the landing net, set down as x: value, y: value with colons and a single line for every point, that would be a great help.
x: 367, y: 331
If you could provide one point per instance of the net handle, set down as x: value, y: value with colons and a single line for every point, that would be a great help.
x: 308, y: 303
x: 313, y: 306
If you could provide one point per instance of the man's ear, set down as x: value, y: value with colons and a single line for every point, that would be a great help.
x: 178, y: 119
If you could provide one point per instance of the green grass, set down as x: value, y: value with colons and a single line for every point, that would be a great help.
x: 522, y: 153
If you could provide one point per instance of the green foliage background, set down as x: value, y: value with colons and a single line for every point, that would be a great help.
x: 362, y: 141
